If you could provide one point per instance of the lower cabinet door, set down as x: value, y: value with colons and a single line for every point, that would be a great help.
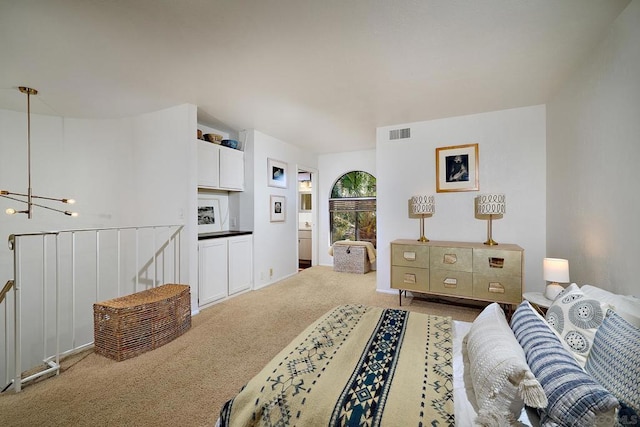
x: 212, y: 274
x: 240, y: 263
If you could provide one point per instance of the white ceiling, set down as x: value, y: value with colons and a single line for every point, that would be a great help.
x: 320, y: 74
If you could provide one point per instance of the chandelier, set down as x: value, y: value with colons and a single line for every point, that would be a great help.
x: 28, y: 197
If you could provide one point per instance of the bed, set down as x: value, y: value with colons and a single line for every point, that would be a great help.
x: 366, y: 366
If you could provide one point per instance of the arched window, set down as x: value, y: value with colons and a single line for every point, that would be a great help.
x: 352, y: 207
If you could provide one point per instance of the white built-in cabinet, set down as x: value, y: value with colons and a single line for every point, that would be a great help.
x: 225, y: 267
x: 220, y: 168
x: 240, y: 263
x: 213, y: 274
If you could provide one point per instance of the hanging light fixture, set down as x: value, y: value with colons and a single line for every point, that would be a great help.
x: 29, y: 195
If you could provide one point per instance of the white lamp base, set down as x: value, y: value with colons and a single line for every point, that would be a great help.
x: 552, y: 291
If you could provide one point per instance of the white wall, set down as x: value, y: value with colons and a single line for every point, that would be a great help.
x: 332, y: 167
x: 275, y: 243
x: 593, y: 207
x: 122, y: 172
x: 512, y: 161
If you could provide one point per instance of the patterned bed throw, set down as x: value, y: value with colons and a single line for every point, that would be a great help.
x: 355, y: 366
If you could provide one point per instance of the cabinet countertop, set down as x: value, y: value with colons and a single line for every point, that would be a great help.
x: 226, y: 233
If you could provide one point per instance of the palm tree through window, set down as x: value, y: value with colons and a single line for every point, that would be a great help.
x: 352, y: 207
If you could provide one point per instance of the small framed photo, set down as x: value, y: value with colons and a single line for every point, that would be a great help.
x: 277, y: 208
x: 276, y: 173
x: 457, y: 168
x: 209, y: 216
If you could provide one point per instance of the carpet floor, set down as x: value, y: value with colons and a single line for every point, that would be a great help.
x: 187, y: 381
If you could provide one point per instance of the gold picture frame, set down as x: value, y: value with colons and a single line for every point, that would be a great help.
x: 457, y: 168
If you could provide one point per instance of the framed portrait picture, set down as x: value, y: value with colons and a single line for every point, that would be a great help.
x: 277, y: 208
x: 457, y: 168
x: 276, y: 173
x: 209, y: 217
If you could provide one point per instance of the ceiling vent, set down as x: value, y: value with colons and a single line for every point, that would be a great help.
x: 400, y: 133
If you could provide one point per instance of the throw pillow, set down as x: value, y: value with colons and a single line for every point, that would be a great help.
x: 576, y: 318
x: 575, y: 398
x: 502, y: 381
x: 614, y: 360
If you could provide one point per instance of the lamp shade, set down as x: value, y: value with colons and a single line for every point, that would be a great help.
x: 490, y: 204
x: 556, y: 270
x: 423, y: 205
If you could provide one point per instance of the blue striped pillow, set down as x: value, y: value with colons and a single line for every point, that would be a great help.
x: 575, y: 398
x: 614, y: 360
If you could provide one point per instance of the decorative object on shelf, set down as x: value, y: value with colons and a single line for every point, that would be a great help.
x: 556, y: 271
x: 490, y: 206
x: 457, y: 168
x: 423, y: 206
x: 231, y: 143
x: 277, y: 208
x: 29, y: 195
x: 276, y: 173
x: 209, y: 215
x: 213, y: 137
x: 200, y: 136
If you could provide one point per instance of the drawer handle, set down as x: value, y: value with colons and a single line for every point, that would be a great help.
x: 450, y: 259
x: 409, y: 256
x: 495, y: 262
x: 450, y: 282
x: 496, y: 288
x: 409, y: 278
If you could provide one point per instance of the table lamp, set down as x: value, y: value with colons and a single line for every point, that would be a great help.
x: 422, y: 206
x: 492, y: 205
x: 556, y: 271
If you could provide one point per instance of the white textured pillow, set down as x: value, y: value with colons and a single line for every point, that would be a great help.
x: 575, y: 318
x: 625, y: 306
x: 502, y: 380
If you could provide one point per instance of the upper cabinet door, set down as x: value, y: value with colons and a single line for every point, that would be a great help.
x: 231, y: 169
x: 208, y: 165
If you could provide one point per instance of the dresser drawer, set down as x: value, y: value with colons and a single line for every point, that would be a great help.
x: 499, y: 288
x: 448, y: 258
x: 410, y: 255
x: 410, y: 278
x: 459, y: 283
x: 497, y: 262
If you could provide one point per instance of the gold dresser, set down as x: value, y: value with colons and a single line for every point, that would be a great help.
x: 458, y: 269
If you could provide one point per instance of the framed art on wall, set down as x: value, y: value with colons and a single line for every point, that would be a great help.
x: 209, y: 217
x: 277, y: 208
x: 276, y: 173
x: 457, y: 168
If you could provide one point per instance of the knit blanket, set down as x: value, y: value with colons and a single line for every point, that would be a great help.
x: 355, y: 366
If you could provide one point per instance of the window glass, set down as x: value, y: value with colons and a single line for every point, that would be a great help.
x: 352, y: 207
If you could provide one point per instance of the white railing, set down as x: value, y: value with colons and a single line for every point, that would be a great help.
x: 46, y: 310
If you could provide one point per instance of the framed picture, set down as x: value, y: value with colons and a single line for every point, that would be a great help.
x: 277, y: 208
x: 209, y: 215
x: 276, y: 173
x: 457, y: 168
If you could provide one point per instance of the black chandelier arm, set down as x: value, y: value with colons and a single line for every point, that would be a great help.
x: 54, y: 209
x: 4, y: 193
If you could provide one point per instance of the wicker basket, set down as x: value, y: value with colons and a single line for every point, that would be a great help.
x: 350, y: 259
x: 131, y: 325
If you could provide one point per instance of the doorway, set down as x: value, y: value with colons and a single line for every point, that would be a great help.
x: 306, y: 218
